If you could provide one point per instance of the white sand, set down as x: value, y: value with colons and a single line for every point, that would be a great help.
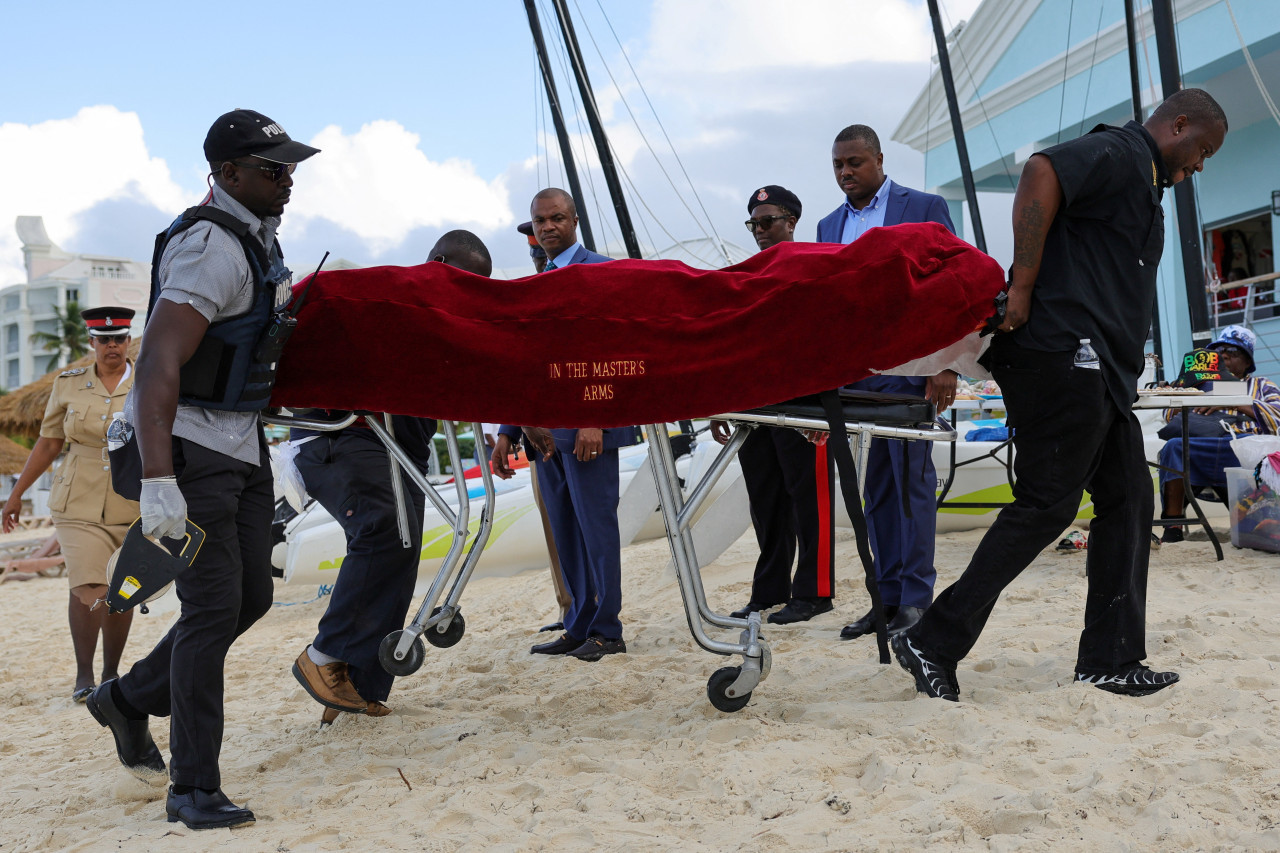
x: 505, y: 751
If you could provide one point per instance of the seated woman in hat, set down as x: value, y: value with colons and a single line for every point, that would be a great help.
x: 89, y: 517
x: 1210, y: 457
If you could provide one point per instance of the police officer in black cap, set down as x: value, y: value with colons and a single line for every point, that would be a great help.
x: 789, y: 479
x: 217, y: 277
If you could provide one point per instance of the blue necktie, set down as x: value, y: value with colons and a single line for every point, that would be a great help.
x: 551, y: 265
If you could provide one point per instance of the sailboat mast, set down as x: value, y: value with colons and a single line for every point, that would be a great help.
x: 1130, y: 30
x: 1132, y: 39
x: 597, y: 129
x: 1184, y: 192
x: 957, y: 126
x: 557, y: 117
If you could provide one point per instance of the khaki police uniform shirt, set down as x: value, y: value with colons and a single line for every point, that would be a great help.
x: 79, y: 410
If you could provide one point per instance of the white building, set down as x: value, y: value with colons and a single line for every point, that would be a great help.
x: 54, y: 278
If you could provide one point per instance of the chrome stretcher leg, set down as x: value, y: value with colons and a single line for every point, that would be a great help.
x: 402, y: 652
x: 445, y: 631
x: 397, y: 489
x: 729, y: 688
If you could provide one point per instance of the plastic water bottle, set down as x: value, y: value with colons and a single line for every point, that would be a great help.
x: 1086, y: 357
x: 119, y: 431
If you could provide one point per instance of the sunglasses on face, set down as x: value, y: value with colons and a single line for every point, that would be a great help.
x: 275, y: 171
x: 763, y: 223
x: 117, y: 340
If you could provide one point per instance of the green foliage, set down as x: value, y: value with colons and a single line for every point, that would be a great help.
x: 70, y: 342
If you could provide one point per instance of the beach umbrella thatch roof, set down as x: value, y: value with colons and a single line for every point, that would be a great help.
x: 12, y: 456
x: 22, y: 410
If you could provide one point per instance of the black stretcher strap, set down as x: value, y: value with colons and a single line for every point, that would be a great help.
x: 839, y: 445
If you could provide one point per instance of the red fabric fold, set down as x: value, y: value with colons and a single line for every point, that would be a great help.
x: 633, y: 342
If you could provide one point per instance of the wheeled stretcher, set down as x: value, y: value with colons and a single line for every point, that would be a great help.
x: 863, y: 416
x: 577, y: 347
x: 440, y: 622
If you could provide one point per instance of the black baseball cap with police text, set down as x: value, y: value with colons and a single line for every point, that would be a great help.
x: 241, y: 133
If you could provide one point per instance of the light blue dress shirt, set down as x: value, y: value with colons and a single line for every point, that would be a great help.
x: 562, y: 260
x: 859, y: 222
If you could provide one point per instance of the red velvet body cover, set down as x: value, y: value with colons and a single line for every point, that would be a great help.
x: 633, y: 342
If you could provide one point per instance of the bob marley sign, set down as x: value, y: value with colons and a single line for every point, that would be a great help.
x: 1199, y: 366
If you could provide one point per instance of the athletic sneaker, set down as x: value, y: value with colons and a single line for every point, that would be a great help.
x: 1139, y: 681
x: 1073, y: 541
x: 932, y: 678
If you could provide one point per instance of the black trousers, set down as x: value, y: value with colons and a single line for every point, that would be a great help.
x: 1069, y: 436
x: 790, y: 510
x: 351, y: 478
x: 226, y: 590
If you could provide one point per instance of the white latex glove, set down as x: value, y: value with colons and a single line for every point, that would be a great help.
x: 164, y: 509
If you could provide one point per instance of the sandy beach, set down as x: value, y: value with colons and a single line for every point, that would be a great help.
x: 490, y: 748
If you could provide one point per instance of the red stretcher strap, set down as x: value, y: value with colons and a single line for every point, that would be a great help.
x: 633, y: 342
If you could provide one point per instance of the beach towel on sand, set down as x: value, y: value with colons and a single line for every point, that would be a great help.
x: 633, y: 342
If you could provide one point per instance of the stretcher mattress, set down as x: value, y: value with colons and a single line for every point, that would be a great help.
x: 860, y: 406
x: 631, y: 342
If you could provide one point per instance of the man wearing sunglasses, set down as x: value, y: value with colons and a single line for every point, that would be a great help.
x: 218, y: 277
x: 902, y: 542
x: 789, y: 479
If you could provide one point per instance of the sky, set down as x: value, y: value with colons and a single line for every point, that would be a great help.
x: 430, y: 116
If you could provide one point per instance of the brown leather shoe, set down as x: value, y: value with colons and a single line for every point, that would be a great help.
x: 329, y: 684
x: 373, y: 709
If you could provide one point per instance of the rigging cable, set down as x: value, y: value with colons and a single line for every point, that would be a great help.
x: 1084, y: 112
x: 562, y: 56
x: 622, y: 168
x: 928, y: 118
x: 710, y: 223
x: 657, y: 221
x: 1146, y: 55
x: 539, y: 135
x: 1066, y: 55
x: 636, y: 122
x: 1253, y: 69
x: 981, y: 104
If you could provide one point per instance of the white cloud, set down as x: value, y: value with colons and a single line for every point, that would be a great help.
x: 379, y: 185
x: 720, y: 36
x: 60, y: 168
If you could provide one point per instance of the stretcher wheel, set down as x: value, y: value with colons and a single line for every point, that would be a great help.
x: 450, y: 636
x: 412, y: 661
x: 719, y: 683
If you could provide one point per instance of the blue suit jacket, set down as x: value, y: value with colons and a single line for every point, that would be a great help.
x: 903, y: 205
x: 614, y: 437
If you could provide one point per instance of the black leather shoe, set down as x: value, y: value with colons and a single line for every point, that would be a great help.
x: 904, y: 619
x: 597, y: 647
x: 800, y: 610
x: 200, y: 809
x: 562, y: 645
x: 1139, y: 681
x: 554, y: 626
x: 866, y: 625
x: 752, y: 607
x: 134, y: 746
x: 933, y: 678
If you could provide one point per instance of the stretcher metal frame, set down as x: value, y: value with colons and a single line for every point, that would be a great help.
x: 730, y: 688
x: 441, y: 623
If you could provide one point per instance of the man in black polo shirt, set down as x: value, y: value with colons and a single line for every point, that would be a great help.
x: 1088, y: 234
